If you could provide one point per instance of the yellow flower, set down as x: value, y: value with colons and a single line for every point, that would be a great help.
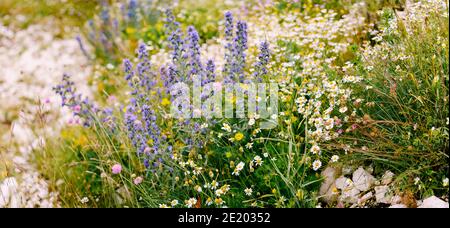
x: 101, y: 87
x: 165, y: 102
x: 81, y: 141
x: 238, y: 136
x: 228, y: 154
x: 130, y: 30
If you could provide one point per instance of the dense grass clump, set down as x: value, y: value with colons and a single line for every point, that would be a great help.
x: 406, y: 98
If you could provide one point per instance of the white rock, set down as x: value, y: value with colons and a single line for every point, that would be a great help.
x: 43, y: 193
x: 328, y: 184
x: 343, y: 183
x: 19, y: 160
x: 382, y: 194
x: 433, y: 202
x: 362, y: 179
x: 364, y: 198
x: 387, y: 178
x: 349, y: 195
x: 419, y: 203
x: 396, y: 200
x: 32, y: 61
x: 398, y: 206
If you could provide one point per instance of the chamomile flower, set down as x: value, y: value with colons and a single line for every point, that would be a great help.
x: 84, y: 200
x: 209, y: 201
x: 191, y: 202
x: 343, y: 109
x: 174, y: 203
x: 219, y: 192
x: 110, y: 66
x: 258, y: 160
x: 316, y: 165
x: 315, y: 149
x: 329, y: 123
x: 226, y: 127
x: 248, y: 191
x: 334, y: 158
x: 416, y: 180
x: 198, y: 188
x: 219, y: 201
x: 238, y: 168
x: 214, y: 184
x: 445, y: 182
x: 225, y: 188
x: 249, y: 146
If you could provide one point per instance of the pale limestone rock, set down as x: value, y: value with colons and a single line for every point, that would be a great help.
x: 364, y: 198
x: 343, y: 183
x: 382, y: 194
x: 433, y: 202
x: 398, y: 206
x: 396, y: 200
x: 349, y: 195
x: 32, y: 61
x: 328, y: 185
x: 387, y: 178
x: 362, y: 179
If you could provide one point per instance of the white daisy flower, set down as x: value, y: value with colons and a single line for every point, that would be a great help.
x: 315, y: 149
x: 334, y: 158
x: 445, y: 182
x: 191, y: 202
x: 248, y: 191
x: 238, y: 168
x: 316, y: 165
x: 258, y: 160
x: 226, y: 127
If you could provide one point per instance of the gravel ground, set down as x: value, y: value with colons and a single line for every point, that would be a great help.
x: 32, y: 61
